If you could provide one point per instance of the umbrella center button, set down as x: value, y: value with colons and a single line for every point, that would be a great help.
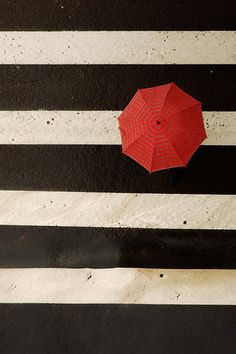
x: 156, y: 124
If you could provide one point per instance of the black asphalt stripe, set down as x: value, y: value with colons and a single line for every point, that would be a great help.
x: 103, y: 168
x: 84, y: 247
x: 110, y: 87
x: 117, y: 329
x: 117, y: 15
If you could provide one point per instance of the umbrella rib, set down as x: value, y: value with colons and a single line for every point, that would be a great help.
x: 185, y: 109
x: 133, y: 142
x: 165, y: 98
x: 192, y: 105
x: 147, y: 103
x: 152, y: 159
x: 174, y: 148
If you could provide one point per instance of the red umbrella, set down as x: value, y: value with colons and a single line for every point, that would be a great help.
x: 161, y: 127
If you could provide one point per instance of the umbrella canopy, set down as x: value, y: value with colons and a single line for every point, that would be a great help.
x: 161, y: 127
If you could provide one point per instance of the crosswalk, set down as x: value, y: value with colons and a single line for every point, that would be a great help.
x: 118, y: 210
x: 118, y: 47
x: 92, y: 127
x: 96, y: 254
x: 60, y: 286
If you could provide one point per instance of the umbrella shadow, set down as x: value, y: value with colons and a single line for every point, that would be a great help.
x: 173, y: 176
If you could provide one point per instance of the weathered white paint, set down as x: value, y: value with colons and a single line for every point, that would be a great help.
x: 118, y: 47
x: 118, y: 285
x: 118, y: 210
x: 92, y: 127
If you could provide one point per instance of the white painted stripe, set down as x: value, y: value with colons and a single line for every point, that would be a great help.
x: 92, y: 127
x: 118, y: 210
x: 118, y: 47
x: 118, y: 285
